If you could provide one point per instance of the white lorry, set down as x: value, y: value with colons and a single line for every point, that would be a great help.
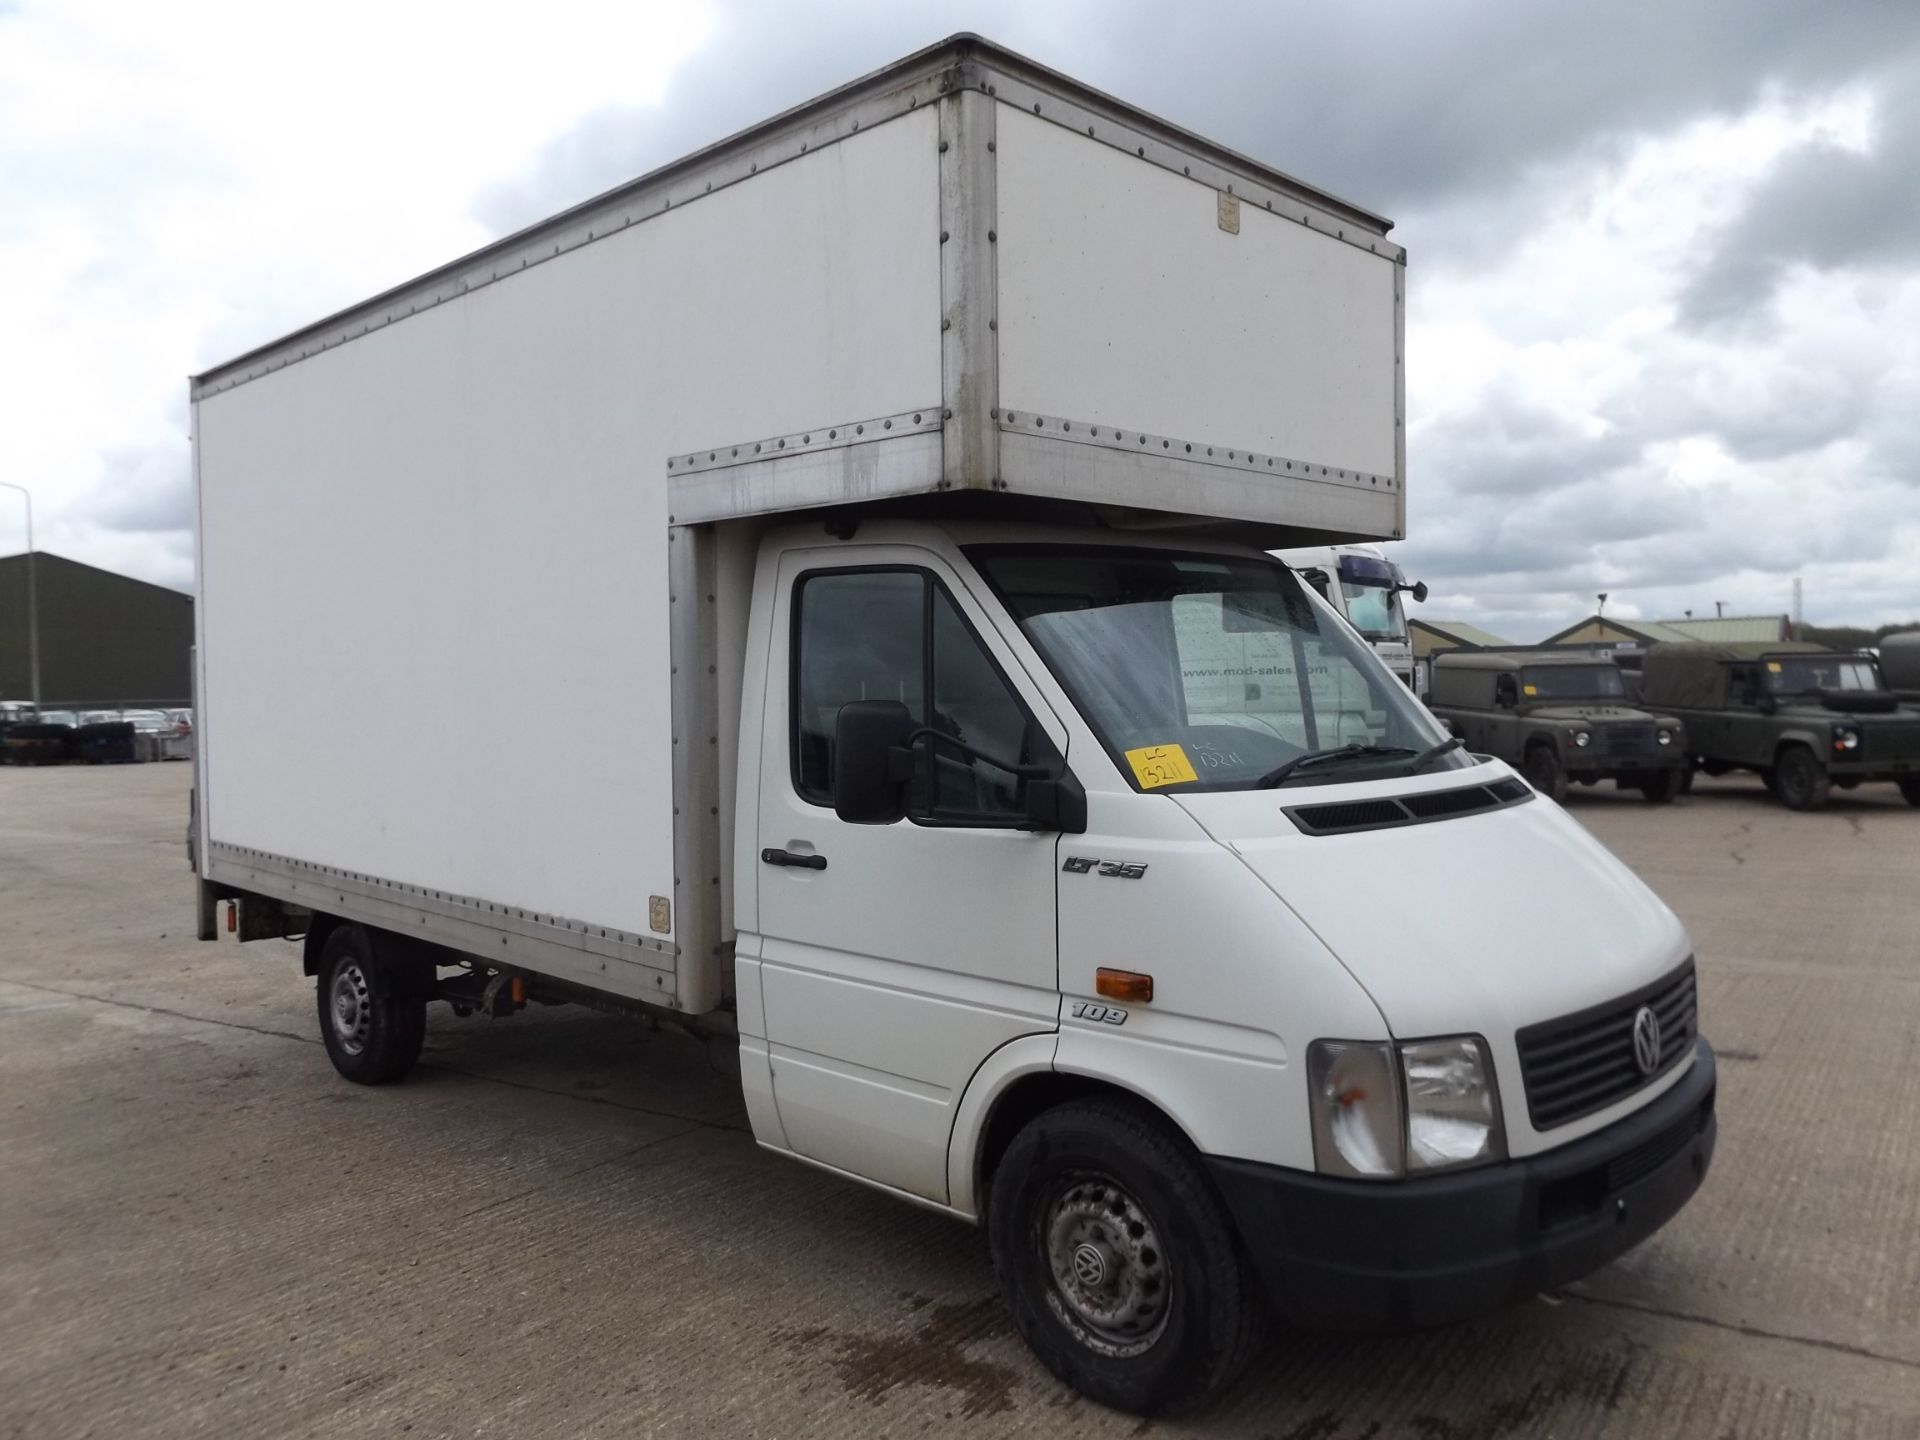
x: 890, y: 486
x: 1365, y: 586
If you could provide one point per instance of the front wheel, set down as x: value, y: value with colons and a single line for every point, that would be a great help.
x: 1661, y: 786
x: 1543, y: 772
x: 1118, y: 1259
x: 372, y: 1018
x: 1801, y: 782
x: 1910, y: 789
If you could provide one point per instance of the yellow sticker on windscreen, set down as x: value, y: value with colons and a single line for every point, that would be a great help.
x: 1157, y: 765
x: 1529, y: 689
x: 1774, y: 666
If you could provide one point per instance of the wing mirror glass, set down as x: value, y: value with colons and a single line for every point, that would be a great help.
x: 1506, y: 692
x: 871, y: 761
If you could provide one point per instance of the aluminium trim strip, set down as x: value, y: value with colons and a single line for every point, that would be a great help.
x: 1200, y: 452
x: 820, y: 437
x: 334, y: 890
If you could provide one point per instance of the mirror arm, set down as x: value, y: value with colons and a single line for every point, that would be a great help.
x: 1025, y: 772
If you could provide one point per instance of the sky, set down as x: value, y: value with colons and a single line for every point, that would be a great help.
x: 1663, y: 333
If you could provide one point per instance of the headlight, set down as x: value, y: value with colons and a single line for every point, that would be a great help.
x: 1582, y: 738
x: 1380, y: 1110
x: 1356, y: 1110
x: 1452, y: 1116
x: 1665, y: 737
x: 1845, y: 737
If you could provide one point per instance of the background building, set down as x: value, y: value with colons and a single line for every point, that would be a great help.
x: 105, y: 639
x: 1607, y: 634
x: 1431, y: 635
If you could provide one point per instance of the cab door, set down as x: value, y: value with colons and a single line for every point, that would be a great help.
x: 896, y: 958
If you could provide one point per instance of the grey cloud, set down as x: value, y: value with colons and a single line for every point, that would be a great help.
x: 1822, y: 206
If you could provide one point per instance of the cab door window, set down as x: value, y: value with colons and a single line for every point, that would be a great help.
x: 897, y: 635
x: 857, y: 635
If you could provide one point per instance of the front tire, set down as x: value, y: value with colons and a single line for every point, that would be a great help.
x: 1118, y: 1259
x: 1800, y: 780
x: 1543, y: 772
x: 373, y: 1019
x: 1910, y: 789
x: 1661, y: 786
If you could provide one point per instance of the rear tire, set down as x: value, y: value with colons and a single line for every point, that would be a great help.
x: 1118, y: 1260
x: 373, y: 1018
x: 1910, y: 789
x: 1661, y: 786
x: 1800, y: 780
x: 1543, y: 772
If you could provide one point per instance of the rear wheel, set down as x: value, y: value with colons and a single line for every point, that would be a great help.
x: 1118, y: 1259
x: 1543, y: 772
x: 1661, y: 786
x: 373, y: 1017
x: 1910, y: 789
x: 1800, y: 780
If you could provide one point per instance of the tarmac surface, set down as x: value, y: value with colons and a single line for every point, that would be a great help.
x: 560, y: 1225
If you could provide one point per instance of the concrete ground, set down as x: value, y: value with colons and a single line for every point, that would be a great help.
x: 560, y: 1226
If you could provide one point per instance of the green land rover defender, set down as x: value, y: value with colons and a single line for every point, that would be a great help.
x: 1558, y: 716
x: 1805, y: 718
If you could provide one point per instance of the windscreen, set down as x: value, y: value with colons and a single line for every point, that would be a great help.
x: 1208, y: 671
x: 1803, y: 674
x: 1572, y: 682
x: 1369, y: 591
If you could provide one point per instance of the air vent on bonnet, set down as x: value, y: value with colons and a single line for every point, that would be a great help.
x: 1344, y: 817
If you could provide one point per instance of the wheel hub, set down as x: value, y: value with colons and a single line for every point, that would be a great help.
x: 351, y: 1008
x: 1111, y: 1285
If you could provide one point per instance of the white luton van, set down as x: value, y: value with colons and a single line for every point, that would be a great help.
x: 887, y: 490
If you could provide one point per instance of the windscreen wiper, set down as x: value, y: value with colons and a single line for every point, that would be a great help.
x: 1432, y: 753
x: 1279, y: 773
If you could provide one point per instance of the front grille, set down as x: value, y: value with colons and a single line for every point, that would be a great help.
x: 1885, y: 743
x: 1585, y: 1062
x: 1628, y: 737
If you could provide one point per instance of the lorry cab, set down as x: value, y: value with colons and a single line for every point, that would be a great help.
x: 1561, y: 717
x: 1801, y: 716
x: 1365, y: 588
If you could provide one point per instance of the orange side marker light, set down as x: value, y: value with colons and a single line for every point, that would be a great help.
x: 1128, y: 985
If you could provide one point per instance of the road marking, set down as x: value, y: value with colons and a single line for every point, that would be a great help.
x: 29, y: 1009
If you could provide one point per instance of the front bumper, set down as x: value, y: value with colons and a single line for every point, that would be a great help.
x: 1350, y: 1254
x: 1873, y: 769
x: 1620, y: 767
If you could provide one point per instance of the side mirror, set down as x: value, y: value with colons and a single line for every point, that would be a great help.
x: 1506, y: 692
x: 871, y: 761
x: 1419, y: 592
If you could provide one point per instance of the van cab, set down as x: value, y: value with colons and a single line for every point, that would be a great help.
x: 1160, y: 1015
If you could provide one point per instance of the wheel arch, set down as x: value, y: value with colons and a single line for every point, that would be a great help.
x: 1789, y: 738
x: 319, y: 927
x: 1008, y: 1092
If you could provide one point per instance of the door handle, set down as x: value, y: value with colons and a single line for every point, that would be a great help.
x: 803, y: 862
